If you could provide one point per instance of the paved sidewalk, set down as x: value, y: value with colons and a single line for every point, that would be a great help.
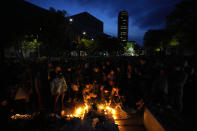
x: 134, y: 123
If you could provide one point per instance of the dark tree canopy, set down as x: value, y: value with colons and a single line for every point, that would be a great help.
x: 156, y: 39
x: 51, y: 28
x: 48, y: 26
x: 180, y: 32
x: 182, y: 23
x: 56, y: 34
x: 110, y: 44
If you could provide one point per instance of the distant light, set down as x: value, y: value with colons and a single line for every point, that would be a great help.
x: 71, y: 20
x: 157, y: 49
x: 92, y: 39
x: 84, y: 33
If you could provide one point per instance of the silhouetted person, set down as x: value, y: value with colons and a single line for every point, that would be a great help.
x: 58, y: 88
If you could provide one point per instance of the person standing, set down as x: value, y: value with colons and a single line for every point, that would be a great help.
x: 58, y: 88
x: 177, y: 81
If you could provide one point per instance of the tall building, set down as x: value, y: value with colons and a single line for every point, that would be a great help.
x: 123, y: 26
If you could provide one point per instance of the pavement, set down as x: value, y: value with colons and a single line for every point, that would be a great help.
x: 133, y: 123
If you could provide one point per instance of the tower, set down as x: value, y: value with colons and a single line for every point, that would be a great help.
x: 123, y: 27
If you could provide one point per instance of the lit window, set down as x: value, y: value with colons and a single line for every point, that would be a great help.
x: 123, y: 27
x: 123, y: 33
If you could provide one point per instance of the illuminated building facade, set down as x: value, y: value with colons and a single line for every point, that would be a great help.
x: 86, y: 25
x: 123, y: 27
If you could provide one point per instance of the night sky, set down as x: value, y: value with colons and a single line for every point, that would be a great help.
x: 143, y: 14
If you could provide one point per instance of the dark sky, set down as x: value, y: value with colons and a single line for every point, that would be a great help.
x: 143, y: 14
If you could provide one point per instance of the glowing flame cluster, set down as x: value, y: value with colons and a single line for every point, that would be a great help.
x: 19, y: 116
x: 108, y: 110
x: 79, y: 112
x: 82, y: 110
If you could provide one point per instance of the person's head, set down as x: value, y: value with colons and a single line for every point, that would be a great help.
x: 58, y: 69
x: 177, y: 68
x: 86, y: 66
x: 162, y: 72
x: 69, y: 69
x: 50, y: 65
x: 112, y: 72
x: 28, y: 69
x: 111, y: 82
x: 95, y: 81
x: 96, y: 69
x: 139, y: 73
x: 118, y: 69
x: 107, y: 63
x: 102, y: 87
x: 87, y: 86
x: 129, y: 67
x: 103, y: 67
x: 142, y: 62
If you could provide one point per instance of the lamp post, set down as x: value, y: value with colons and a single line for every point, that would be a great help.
x: 84, y: 34
x: 38, y: 47
x: 38, y: 50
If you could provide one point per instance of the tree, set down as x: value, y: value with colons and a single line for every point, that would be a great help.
x: 28, y: 44
x: 132, y: 48
x: 181, y: 23
x: 20, y: 18
x: 110, y: 44
x: 51, y: 27
x: 129, y: 48
x: 156, y: 40
x: 86, y: 45
x: 56, y: 34
x: 117, y: 48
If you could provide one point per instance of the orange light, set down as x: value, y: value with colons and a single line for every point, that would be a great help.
x: 82, y: 110
x: 19, y: 116
x: 62, y: 112
x: 106, y: 91
x: 108, y: 110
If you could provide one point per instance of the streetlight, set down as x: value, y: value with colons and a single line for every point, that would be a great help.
x: 84, y: 33
x: 71, y: 19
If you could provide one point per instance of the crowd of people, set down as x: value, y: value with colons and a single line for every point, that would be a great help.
x: 56, y: 84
